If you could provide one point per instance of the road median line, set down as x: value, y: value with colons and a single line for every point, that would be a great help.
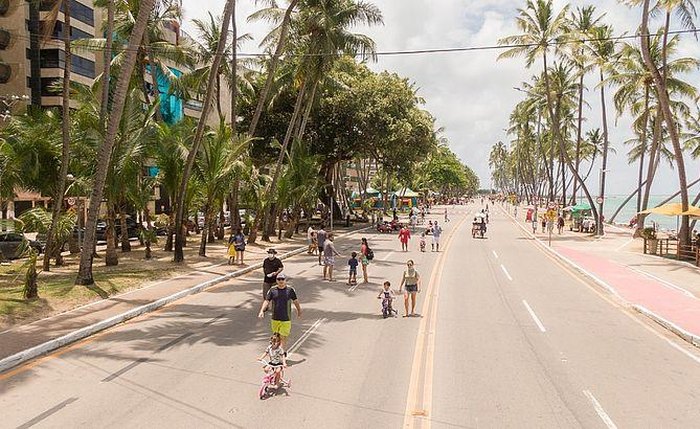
x: 26, y: 355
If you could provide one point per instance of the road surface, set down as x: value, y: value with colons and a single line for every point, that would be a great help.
x: 507, y: 337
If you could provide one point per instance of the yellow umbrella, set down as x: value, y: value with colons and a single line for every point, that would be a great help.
x: 673, y: 209
x: 692, y: 211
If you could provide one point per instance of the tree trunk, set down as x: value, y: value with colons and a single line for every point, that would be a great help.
x: 654, y: 157
x: 149, y: 232
x: 579, y: 133
x: 205, y: 231
x: 104, y: 155
x: 106, y: 78
x: 220, y: 233
x: 624, y: 203
x: 65, y: 131
x: 664, y: 102
x: 234, y: 74
x: 262, y: 100
x: 126, y: 244
x: 558, y: 137
x: 111, y: 257
x: 197, y: 140
x: 643, y: 141
x: 280, y: 159
x: 606, y: 143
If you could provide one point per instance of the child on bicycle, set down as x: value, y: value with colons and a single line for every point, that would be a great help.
x: 387, y: 296
x: 277, y: 358
x: 353, y: 263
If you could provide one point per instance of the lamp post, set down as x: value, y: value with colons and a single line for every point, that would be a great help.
x: 601, y: 200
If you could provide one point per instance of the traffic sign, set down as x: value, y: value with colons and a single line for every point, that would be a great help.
x: 599, y: 200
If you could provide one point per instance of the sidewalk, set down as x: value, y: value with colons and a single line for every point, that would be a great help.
x: 666, y: 290
x: 23, y: 342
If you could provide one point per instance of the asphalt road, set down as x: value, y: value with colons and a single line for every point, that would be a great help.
x: 508, y: 338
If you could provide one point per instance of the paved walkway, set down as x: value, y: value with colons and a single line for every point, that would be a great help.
x: 23, y: 337
x: 665, y: 289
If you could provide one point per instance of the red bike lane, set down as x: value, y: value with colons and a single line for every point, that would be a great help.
x: 674, y: 305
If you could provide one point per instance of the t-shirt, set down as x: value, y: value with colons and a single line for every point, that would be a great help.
x: 275, y: 354
x: 239, y: 241
x: 270, y: 266
x: 310, y: 232
x: 282, y: 302
x: 321, y: 237
x: 353, y: 262
x: 437, y: 231
x: 329, y: 248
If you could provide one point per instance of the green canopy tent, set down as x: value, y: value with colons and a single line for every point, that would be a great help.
x: 404, y: 196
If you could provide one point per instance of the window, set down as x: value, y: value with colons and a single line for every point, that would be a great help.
x: 56, y: 58
x: 78, y: 11
x: 75, y: 33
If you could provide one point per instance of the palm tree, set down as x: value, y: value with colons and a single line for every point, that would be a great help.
x: 281, y: 32
x: 603, y: 51
x: 61, y: 6
x: 544, y: 30
x: 211, y: 86
x: 665, y: 104
x: 84, y: 276
x: 322, y: 30
x: 583, y: 20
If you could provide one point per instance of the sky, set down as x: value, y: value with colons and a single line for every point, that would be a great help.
x: 471, y: 94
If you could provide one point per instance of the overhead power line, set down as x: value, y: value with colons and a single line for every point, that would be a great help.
x: 428, y: 51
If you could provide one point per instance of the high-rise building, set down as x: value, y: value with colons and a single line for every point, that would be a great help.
x: 33, y: 59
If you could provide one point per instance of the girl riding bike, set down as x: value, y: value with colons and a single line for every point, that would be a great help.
x: 277, y: 359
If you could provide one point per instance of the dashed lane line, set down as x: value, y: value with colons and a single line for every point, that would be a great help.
x: 495, y: 254
x: 599, y: 409
x: 305, y: 336
x: 534, y: 317
x: 505, y: 271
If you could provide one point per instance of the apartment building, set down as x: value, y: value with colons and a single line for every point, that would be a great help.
x: 33, y: 59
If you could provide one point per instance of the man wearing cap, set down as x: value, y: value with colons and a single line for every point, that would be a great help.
x: 272, y: 266
x: 281, y: 297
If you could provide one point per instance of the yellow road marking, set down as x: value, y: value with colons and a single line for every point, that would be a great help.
x: 419, y: 407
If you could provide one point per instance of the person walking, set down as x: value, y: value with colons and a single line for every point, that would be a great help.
x: 437, y: 232
x: 534, y: 222
x: 411, y: 279
x: 238, y: 241
x: 281, y: 297
x: 364, y: 258
x: 310, y: 239
x: 404, y: 236
x: 329, y: 254
x: 272, y: 267
x: 447, y: 219
x: 321, y: 235
x: 231, y: 252
x: 560, y: 223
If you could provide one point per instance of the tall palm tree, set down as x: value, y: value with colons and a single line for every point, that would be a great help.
x: 543, y: 31
x: 84, y: 276
x: 665, y: 104
x: 199, y: 133
x: 583, y: 20
x: 322, y: 29
x: 65, y: 7
x: 281, y: 32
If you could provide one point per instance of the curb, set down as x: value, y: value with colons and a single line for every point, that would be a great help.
x: 51, y: 345
x: 666, y: 324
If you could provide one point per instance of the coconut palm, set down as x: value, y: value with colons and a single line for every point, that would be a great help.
x: 542, y: 32
x: 199, y: 133
x: 583, y: 20
x: 84, y: 276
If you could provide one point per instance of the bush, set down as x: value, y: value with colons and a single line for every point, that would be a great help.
x: 649, y: 233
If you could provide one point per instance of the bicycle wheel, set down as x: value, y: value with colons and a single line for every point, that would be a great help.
x: 263, y: 391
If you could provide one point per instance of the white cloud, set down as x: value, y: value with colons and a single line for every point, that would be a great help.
x: 470, y: 93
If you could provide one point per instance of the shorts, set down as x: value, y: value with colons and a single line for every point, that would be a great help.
x: 353, y: 271
x: 329, y: 260
x: 436, y: 239
x: 282, y: 327
x: 411, y: 288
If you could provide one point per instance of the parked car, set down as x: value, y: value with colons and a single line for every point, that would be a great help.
x: 11, y: 243
x: 132, y: 227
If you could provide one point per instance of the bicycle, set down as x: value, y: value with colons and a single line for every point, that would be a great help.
x: 268, y: 387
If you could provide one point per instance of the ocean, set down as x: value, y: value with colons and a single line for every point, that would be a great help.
x: 612, y: 202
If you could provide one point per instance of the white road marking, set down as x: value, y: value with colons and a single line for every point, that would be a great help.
x: 599, y: 409
x: 662, y: 281
x: 495, y: 254
x: 506, y: 272
x: 624, y: 245
x: 305, y: 336
x: 682, y: 350
x: 534, y: 317
x: 387, y: 256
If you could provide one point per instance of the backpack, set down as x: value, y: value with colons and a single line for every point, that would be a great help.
x: 370, y: 254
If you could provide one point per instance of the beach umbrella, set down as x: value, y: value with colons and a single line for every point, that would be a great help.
x: 672, y: 209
